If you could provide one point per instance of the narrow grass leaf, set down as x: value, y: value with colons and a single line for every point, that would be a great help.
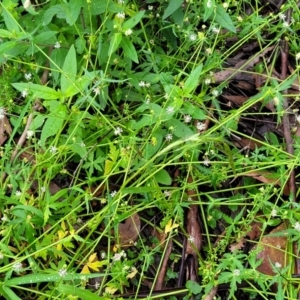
x: 69, y: 69
x: 172, y: 7
x: 223, y: 19
x: 75, y: 291
x: 36, y: 278
x: 129, y: 49
x: 9, y: 294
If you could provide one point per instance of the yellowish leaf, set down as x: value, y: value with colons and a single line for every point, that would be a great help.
x: 93, y: 257
x: 95, y: 265
x: 133, y: 273
x: 85, y: 270
x: 169, y: 227
x: 111, y: 290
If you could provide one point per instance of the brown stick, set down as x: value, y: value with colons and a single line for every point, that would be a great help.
x: 163, y: 270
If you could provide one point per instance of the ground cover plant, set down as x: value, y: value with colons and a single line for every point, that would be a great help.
x: 149, y: 149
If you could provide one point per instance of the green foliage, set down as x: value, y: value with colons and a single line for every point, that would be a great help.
x: 107, y: 110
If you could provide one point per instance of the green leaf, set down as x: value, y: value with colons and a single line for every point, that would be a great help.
x: 134, y: 20
x: 192, y: 81
x: 39, y: 91
x: 82, y: 294
x: 139, y: 190
x: 69, y: 69
x: 72, y: 11
x: 10, y: 294
x: 223, y: 19
x: 181, y: 130
x: 194, y: 111
x: 6, y: 34
x: 54, y: 123
x: 114, y: 43
x: 193, y: 287
x: 208, y: 9
x: 10, y: 22
x: 58, y: 10
x: 286, y: 84
x: 129, y: 49
x: 163, y: 177
x: 172, y: 7
x: 36, y: 278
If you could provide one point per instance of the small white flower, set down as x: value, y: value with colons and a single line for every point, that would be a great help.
x: 215, y: 93
x: 4, y: 218
x: 169, y: 137
x: 128, y: 32
x: 298, y: 56
x: 1, y: 255
x: 167, y: 193
x: 152, y: 42
x: 236, y: 272
x: 18, y: 193
x: 193, y: 37
x: 166, y: 96
x: 187, y: 118
x: 97, y: 285
x: 274, y: 212
x: 297, y: 226
x: 191, y: 239
x: 63, y: 272
x: 206, y: 161
x: 53, y: 149
x: 57, y: 45
x: 240, y: 19
x: 28, y: 76
x: 285, y: 24
x: 118, y: 130
x: 17, y: 267
x: 24, y: 93
x: 208, y: 51
x: 215, y: 29
x: 43, y: 189
x: 120, y: 15
x: 225, y: 5
x: 2, y: 113
x: 282, y: 16
x: 207, y: 81
x: 142, y: 84
x: 30, y: 134
x: 82, y: 145
x: 170, y: 109
x: 150, y: 7
x: 96, y: 90
x: 113, y: 193
x: 278, y: 265
x: 103, y: 255
x: 117, y: 256
x: 200, y: 126
x: 209, y: 3
x: 147, y: 84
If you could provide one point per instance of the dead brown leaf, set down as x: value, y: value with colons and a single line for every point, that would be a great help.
x: 273, y: 250
x: 267, y: 177
x: 129, y: 230
x: 5, y: 130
